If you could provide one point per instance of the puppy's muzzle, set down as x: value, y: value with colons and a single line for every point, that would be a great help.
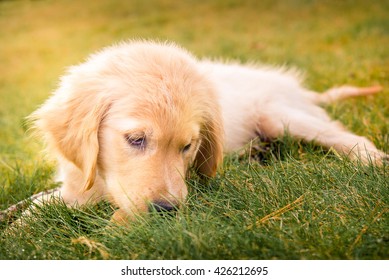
x: 162, y: 206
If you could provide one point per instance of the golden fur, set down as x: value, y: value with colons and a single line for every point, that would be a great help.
x: 127, y: 124
x: 123, y: 94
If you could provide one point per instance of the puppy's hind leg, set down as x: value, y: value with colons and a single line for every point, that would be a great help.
x: 325, y: 132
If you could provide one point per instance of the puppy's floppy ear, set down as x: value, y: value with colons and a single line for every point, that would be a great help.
x: 70, y: 121
x: 210, y: 153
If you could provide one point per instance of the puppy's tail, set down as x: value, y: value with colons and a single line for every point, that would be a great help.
x: 344, y: 92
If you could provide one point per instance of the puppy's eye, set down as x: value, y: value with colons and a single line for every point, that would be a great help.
x: 138, y: 142
x: 186, y: 148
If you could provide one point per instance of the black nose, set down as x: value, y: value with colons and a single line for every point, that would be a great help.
x: 162, y: 206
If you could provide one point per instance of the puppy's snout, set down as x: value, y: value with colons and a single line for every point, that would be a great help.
x: 162, y: 206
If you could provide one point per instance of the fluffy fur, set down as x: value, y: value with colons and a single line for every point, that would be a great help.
x: 127, y: 124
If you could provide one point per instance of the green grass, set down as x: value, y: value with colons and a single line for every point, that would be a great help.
x: 295, y: 202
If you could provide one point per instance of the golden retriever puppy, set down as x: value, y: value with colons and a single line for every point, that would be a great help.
x: 127, y: 124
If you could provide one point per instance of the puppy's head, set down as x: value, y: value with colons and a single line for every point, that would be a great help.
x: 139, y: 115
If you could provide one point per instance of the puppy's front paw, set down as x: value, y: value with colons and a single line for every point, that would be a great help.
x: 122, y: 217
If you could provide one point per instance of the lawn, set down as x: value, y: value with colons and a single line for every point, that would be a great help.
x: 295, y: 201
